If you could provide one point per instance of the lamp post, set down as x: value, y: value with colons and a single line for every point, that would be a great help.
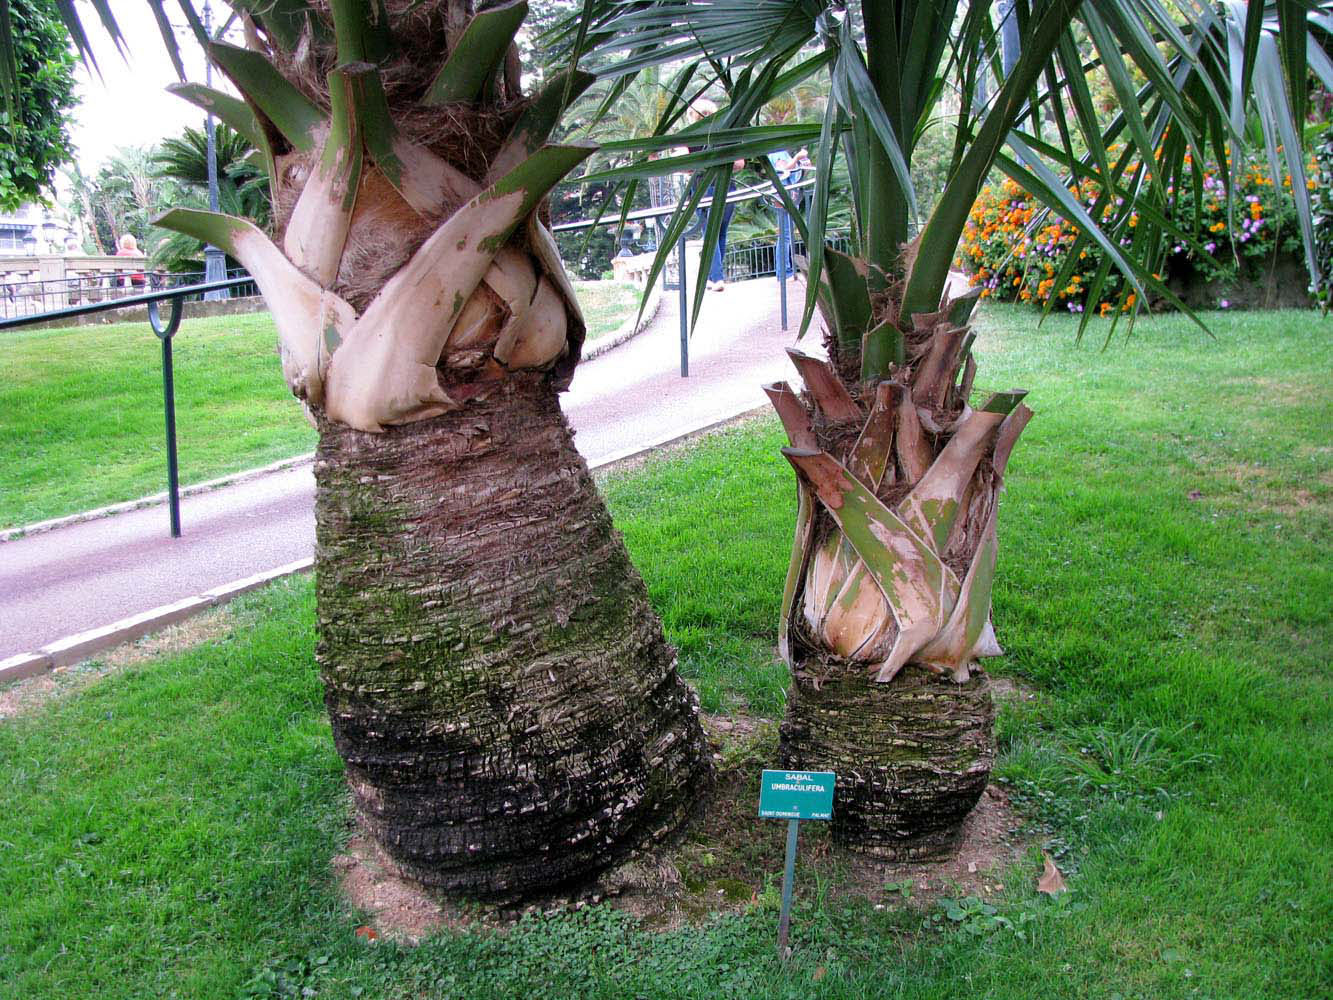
x: 215, y: 261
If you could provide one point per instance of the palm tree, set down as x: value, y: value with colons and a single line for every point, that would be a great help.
x: 127, y: 195
x: 899, y: 459
x: 631, y: 112
x: 81, y: 189
x: 242, y: 185
x: 508, y: 710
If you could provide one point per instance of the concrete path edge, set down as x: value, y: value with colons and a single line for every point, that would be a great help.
x: 80, y: 646
x: 153, y: 500
x: 627, y: 330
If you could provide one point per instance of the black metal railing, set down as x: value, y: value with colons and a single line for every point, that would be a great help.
x: 758, y: 257
x: 23, y: 297
x: 177, y: 296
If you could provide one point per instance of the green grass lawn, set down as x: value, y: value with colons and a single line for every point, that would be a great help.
x: 606, y: 305
x: 81, y: 408
x: 81, y: 411
x: 1164, y: 592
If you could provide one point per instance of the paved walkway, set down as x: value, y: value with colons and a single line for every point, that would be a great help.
x: 90, y: 574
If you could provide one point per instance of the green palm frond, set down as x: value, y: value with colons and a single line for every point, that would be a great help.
x: 1188, y: 80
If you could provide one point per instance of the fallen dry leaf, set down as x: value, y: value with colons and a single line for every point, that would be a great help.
x: 820, y: 972
x: 367, y: 932
x: 1051, y: 881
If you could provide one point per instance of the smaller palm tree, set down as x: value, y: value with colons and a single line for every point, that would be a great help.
x: 899, y: 457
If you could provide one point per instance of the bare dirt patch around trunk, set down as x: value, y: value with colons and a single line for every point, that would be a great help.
x: 728, y: 860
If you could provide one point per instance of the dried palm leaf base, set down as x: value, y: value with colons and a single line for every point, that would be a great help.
x: 912, y: 757
x: 886, y: 607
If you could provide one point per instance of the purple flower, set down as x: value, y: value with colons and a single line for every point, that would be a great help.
x: 1210, y: 247
x: 1224, y: 304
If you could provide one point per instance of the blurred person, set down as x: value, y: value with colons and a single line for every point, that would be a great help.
x: 717, y: 279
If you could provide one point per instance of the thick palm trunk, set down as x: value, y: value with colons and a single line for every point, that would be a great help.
x: 912, y: 757
x: 508, y: 710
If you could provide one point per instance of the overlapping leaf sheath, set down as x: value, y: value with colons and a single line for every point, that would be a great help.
x: 508, y: 710
x: 896, y: 539
x: 402, y: 285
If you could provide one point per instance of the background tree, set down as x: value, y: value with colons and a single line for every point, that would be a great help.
x: 241, y: 181
x: 507, y: 708
x: 607, y: 113
x: 127, y: 195
x: 544, y: 17
x: 81, y: 192
x: 34, y: 129
x: 899, y: 460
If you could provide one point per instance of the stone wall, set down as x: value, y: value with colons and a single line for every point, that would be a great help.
x: 635, y: 269
x: 45, y: 282
x: 139, y: 314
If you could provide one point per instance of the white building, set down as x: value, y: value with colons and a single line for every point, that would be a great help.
x: 34, y: 230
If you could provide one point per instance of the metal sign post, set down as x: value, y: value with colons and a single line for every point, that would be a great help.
x: 794, y: 796
x: 164, y: 334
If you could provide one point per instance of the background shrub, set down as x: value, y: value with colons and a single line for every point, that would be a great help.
x: 1017, y: 253
x: 1323, y: 220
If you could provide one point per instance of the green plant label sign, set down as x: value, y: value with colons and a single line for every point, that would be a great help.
x: 796, y: 795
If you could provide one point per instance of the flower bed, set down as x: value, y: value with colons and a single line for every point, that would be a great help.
x: 1251, y: 259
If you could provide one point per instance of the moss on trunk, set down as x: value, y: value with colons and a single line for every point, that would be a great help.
x: 912, y: 756
x: 508, y: 709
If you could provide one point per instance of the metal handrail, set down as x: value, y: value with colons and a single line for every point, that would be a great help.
x: 744, y: 193
x: 71, y: 312
x: 164, y: 333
